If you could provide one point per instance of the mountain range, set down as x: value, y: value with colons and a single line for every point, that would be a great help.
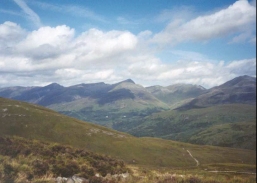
x: 37, y: 144
x: 184, y: 112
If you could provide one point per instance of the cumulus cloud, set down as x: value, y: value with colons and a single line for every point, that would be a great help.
x: 56, y: 54
x: 101, y: 43
x: 46, y: 42
x: 236, y: 19
x: 10, y: 33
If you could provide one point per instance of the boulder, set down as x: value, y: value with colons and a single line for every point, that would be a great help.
x: 73, y: 179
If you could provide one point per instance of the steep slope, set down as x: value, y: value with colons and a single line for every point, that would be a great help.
x: 238, y: 90
x: 34, y: 122
x: 217, y: 125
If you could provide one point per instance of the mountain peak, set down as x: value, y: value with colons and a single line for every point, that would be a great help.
x: 128, y: 81
x: 240, y: 81
x: 54, y: 86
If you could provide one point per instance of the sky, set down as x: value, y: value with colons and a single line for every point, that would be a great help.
x: 152, y: 42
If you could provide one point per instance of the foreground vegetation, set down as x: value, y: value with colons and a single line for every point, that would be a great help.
x: 29, y: 160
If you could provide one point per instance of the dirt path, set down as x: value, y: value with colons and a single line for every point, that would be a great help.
x: 197, y: 162
x: 251, y: 173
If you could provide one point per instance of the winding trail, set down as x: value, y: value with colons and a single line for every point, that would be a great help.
x: 197, y: 162
x: 216, y: 171
x: 251, y: 173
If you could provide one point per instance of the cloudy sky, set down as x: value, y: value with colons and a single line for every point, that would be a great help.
x: 152, y: 42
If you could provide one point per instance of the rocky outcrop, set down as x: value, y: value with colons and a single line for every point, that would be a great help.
x: 73, y: 179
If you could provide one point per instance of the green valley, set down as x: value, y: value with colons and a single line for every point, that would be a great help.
x: 231, y: 125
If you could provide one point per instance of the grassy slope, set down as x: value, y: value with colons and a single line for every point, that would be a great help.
x: 238, y: 135
x: 200, y: 125
x: 34, y: 122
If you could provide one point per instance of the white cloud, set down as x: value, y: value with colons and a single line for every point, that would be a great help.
x: 205, y: 73
x: 236, y: 19
x: 242, y: 37
x: 10, y: 33
x: 77, y: 11
x: 31, y: 14
x: 242, y: 67
x: 56, y: 36
x: 182, y: 12
x: 10, y: 12
x: 46, y: 42
x: 55, y: 54
x: 98, y: 45
x: 125, y: 21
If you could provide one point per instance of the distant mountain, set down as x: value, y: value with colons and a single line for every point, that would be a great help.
x: 177, y: 93
x: 96, y: 102
x: 124, y: 101
x: 238, y: 90
x: 54, y: 93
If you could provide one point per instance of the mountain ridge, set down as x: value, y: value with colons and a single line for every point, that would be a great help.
x: 241, y: 89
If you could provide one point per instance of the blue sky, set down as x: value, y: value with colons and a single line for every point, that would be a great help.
x: 152, y: 42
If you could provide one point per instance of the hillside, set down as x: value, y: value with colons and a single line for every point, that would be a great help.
x: 238, y: 90
x: 231, y: 125
x: 32, y: 160
x: 34, y: 122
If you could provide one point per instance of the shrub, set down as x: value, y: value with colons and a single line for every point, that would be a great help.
x: 65, y: 169
x: 86, y: 172
x: 194, y: 180
x: 96, y: 180
x: 39, y: 167
x: 9, y: 173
